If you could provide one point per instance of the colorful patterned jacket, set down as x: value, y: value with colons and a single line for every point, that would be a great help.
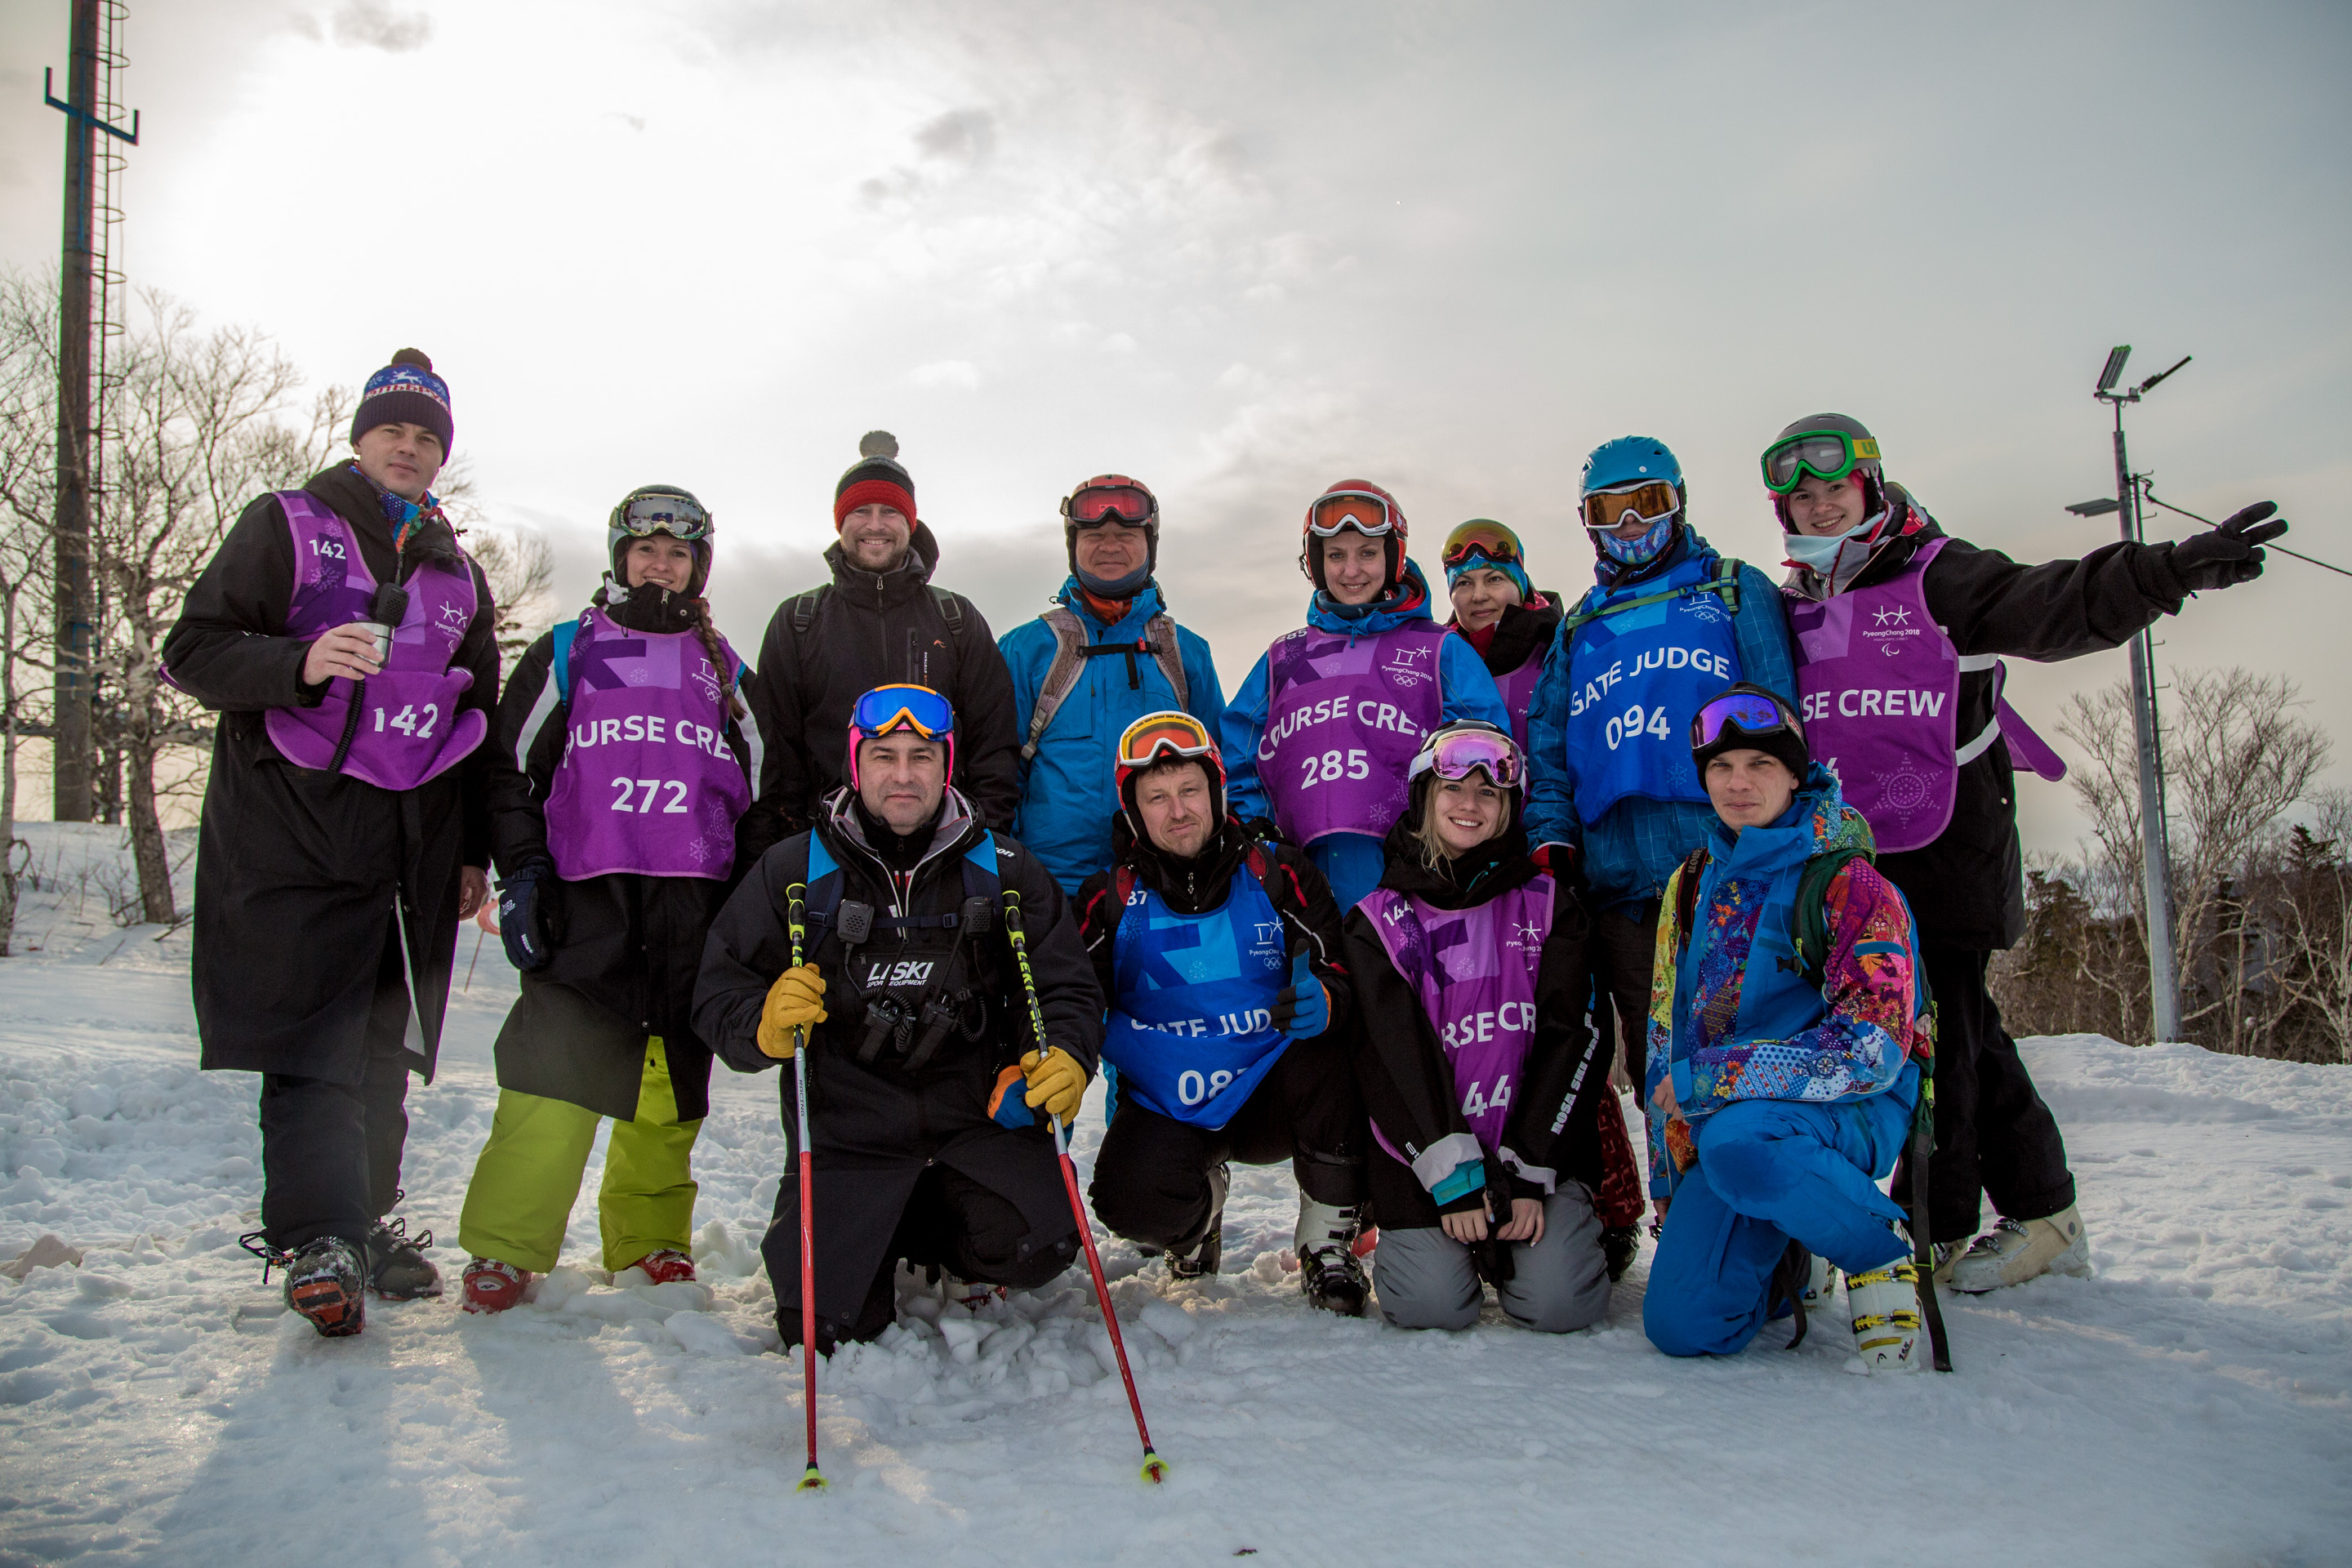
x: 1732, y: 1016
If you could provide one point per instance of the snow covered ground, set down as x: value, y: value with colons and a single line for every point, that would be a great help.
x: 2192, y: 1404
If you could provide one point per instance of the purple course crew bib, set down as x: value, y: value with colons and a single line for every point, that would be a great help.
x: 1518, y: 689
x: 1475, y: 971
x: 410, y: 725
x: 1880, y: 685
x: 648, y: 782
x: 1343, y: 719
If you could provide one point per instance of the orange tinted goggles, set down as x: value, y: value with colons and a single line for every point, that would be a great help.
x: 1613, y: 508
x: 1360, y: 510
x: 1158, y: 736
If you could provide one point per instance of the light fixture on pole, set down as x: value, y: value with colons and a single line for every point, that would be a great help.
x: 2156, y: 854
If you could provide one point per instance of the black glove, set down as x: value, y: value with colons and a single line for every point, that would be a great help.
x: 524, y: 899
x: 2229, y: 553
x: 1263, y: 829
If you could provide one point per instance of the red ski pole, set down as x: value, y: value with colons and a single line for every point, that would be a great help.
x: 811, y: 1480
x: 1155, y: 1469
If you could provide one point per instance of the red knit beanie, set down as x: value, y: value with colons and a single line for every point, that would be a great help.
x: 876, y: 479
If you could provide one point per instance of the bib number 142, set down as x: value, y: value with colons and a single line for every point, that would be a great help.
x: 409, y: 723
x: 640, y: 795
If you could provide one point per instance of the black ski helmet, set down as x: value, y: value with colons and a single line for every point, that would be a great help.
x: 692, y: 526
x: 1874, y: 476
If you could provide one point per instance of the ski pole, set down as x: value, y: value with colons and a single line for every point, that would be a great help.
x: 1155, y: 1469
x: 811, y: 1479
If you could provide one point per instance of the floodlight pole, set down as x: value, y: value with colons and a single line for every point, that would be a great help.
x: 2156, y: 853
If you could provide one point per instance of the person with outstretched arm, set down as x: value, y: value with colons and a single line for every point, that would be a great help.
x: 1788, y: 1034
x: 626, y: 760
x: 1317, y: 739
x: 1219, y: 956
x: 350, y: 647
x: 1900, y: 631
x: 926, y: 945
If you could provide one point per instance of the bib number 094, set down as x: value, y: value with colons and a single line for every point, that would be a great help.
x: 1637, y: 721
x: 640, y: 795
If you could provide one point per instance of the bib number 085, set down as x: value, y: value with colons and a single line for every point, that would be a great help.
x: 640, y: 795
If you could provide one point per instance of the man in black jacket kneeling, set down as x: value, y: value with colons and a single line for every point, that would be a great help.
x: 927, y: 1093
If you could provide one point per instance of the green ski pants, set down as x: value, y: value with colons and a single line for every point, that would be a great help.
x: 528, y: 1177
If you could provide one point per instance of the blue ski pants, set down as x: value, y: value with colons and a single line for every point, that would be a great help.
x: 1770, y: 1171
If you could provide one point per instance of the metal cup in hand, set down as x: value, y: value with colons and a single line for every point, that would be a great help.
x: 380, y: 641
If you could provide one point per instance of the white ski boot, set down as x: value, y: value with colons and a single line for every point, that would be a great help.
x: 1329, y: 1269
x: 1887, y: 1319
x: 1821, y: 1283
x: 2014, y: 1251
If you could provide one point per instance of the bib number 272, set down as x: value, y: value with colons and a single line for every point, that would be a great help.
x: 640, y: 795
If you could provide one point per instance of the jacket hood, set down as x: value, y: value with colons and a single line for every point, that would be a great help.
x: 352, y: 497
x: 1408, y: 601
x: 1189, y: 886
x: 958, y: 825
x: 1494, y: 867
x: 1907, y: 528
x: 1817, y: 821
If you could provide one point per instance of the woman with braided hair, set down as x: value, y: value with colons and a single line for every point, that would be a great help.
x: 627, y: 765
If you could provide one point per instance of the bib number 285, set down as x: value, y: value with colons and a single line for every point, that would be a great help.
x: 640, y: 795
x: 1334, y: 765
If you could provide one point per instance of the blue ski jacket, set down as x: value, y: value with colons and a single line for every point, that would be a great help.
x: 1069, y: 790
x: 1627, y: 855
x: 1469, y: 692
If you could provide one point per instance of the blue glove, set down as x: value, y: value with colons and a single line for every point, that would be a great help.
x: 1302, y: 1009
x: 523, y: 916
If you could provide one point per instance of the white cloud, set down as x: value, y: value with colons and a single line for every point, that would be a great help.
x: 374, y: 25
x: 956, y: 373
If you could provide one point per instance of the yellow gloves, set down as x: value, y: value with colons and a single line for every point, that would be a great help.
x: 795, y: 1002
x: 1057, y: 1083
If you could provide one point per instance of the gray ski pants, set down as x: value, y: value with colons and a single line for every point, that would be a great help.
x: 1423, y: 1278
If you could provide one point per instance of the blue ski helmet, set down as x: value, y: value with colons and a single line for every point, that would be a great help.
x: 1629, y: 460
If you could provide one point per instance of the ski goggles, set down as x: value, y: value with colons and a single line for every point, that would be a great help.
x: 1645, y: 502
x: 1457, y: 753
x: 1156, y: 737
x: 1753, y: 714
x: 1367, y: 513
x: 1480, y: 536
x: 916, y: 708
x: 1128, y: 504
x: 662, y: 511
x: 1824, y: 454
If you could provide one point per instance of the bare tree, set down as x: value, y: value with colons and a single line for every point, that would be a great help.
x: 200, y: 422
x: 520, y: 567
x: 2238, y: 758
x: 2318, y: 918
x: 28, y: 424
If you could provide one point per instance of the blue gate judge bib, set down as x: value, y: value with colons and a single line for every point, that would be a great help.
x: 1191, y: 1023
x: 1637, y: 677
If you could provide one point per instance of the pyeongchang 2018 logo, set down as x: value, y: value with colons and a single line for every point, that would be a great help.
x: 1889, y: 628
x: 1409, y: 666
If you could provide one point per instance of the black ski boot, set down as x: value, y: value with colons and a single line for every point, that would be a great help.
x: 1329, y: 1270
x: 1618, y: 1246
x: 398, y: 1269
x: 1203, y: 1257
x: 326, y: 1281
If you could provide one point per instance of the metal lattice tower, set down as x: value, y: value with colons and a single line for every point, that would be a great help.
x: 90, y: 310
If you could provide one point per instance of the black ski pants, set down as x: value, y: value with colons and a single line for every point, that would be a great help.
x: 331, y: 1151
x: 950, y: 1221
x: 1625, y: 949
x: 1993, y: 1135
x: 1151, y: 1176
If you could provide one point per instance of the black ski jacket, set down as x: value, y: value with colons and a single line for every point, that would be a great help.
x: 1968, y: 889
x: 299, y: 870
x: 628, y: 948
x: 1407, y: 1079
x: 875, y: 1125
x: 1521, y: 634
x: 1296, y: 888
x: 868, y: 629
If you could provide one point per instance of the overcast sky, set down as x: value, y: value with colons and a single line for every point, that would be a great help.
x: 1241, y: 251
